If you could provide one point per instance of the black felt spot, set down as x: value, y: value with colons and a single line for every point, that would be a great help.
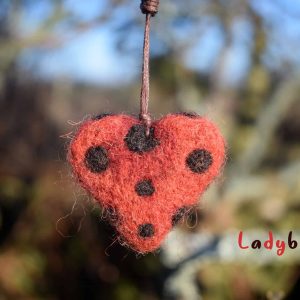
x: 137, y: 140
x: 144, y: 188
x: 199, y: 160
x: 101, y: 116
x: 179, y: 214
x: 192, y: 115
x: 96, y: 159
x: 146, y: 230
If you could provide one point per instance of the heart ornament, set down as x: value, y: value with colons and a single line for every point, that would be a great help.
x: 146, y: 182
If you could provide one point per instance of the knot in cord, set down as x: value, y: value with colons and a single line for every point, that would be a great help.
x: 150, y: 7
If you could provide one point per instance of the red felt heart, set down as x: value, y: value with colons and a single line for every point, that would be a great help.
x: 146, y: 183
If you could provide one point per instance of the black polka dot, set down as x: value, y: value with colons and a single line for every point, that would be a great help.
x: 101, y: 116
x: 179, y: 214
x: 137, y: 140
x: 146, y: 230
x: 96, y: 159
x: 144, y: 188
x: 192, y: 115
x: 199, y: 160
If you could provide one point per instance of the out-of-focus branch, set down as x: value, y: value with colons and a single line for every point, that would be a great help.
x: 268, y: 121
x: 257, y: 187
x: 45, y: 37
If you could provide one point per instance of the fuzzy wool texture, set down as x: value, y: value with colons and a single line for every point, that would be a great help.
x: 146, y: 182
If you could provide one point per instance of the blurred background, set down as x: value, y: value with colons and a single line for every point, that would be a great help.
x: 235, y: 61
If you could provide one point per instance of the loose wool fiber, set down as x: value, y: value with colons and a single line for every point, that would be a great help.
x: 146, y: 183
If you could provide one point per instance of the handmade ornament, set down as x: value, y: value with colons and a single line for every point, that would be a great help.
x: 146, y: 175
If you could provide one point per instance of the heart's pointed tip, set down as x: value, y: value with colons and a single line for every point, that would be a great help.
x: 144, y: 249
x: 143, y: 246
x: 145, y: 237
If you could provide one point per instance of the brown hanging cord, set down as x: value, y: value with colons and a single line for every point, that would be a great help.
x: 150, y: 8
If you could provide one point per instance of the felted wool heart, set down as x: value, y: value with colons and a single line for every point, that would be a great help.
x: 146, y: 183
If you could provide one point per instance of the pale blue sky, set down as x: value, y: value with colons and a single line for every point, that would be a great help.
x: 92, y: 56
